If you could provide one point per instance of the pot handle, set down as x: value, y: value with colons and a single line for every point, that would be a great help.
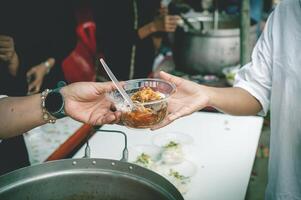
x: 125, y: 152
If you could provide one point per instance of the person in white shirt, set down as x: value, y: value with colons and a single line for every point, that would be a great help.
x: 83, y: 101
x: 271, y: 80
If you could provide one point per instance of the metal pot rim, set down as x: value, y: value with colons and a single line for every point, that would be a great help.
x: 87, y: 165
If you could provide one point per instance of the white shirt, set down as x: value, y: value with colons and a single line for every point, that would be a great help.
x: 274, y: 78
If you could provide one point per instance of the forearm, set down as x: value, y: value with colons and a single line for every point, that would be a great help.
x: 235, y: 101
x: 20, y: 114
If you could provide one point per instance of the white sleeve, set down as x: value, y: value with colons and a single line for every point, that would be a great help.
x: 256, y: 76
x: 2, y: 96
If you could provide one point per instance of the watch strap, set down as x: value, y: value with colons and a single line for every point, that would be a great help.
x: 61, y: 112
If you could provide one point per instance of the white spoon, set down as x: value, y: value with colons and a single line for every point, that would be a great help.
x: 125, y: 96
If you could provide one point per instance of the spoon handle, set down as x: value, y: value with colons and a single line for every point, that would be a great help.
x: 116, y: 83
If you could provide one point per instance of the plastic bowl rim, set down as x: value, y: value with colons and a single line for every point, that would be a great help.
x: 172, y: 85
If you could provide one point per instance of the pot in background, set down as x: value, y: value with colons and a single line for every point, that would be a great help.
x: 205, y: 50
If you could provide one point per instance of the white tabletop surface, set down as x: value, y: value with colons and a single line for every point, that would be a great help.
x: 42, y: 141
x: 223, y: 150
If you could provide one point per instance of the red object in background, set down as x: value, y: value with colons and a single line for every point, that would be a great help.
x: 71, y: 143
x: 79, y: 65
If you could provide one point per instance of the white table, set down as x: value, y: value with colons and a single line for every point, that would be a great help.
x: 224, y: 150
x: 42, y: 141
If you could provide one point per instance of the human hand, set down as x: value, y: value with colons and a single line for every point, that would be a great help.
x: 87, y: 102
x: 8, y: 54
x: 36, y: 76
x: 166, y: 23
x: 188, y: 98
x: 7, y: 48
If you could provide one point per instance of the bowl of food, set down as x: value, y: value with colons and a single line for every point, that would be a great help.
x: 180, y: 175
x: 145, y: 155
x: 150, y: 98
x: 162, y: 139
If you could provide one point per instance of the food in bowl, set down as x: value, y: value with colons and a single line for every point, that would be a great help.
x: 150, y: 99
x: 180, y: 181
x: 145, y: 160
x: 145, y: 115
x: 179, y: 175
x: 172, y: 153
x: 146, y: 94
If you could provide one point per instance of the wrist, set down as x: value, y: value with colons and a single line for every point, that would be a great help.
x: 208, y: 95
x: 53, y: 104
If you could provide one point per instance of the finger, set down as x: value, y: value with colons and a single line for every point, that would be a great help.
x: 173, y: 21
x: 176, y: 17
x: 106, y: 87
x: 51, y: 61
x: 4, y: 58
x: 37, y: 88
x: 30, y: 89
x: 118, y: 117
x: 32, y: 85
x: 9, y: 54
x: 171, y: 24
x: 6, y: 49
x: 31, y: 72
x: 165, y: 122
x: 107, y: 119
x: 5, y: 38
x: 6, y: 44
x: 170, y: 29
x: 168, y: 77
x: 172, y: 117
x: 182, y: 112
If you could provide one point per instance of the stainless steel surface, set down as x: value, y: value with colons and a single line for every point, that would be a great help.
x: 209, y: 50
x: 87, y: 179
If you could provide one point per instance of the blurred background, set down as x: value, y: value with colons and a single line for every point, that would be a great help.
x: 205, y: 41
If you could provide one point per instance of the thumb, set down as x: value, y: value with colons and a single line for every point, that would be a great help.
x: 31, y: 72
x: 32, y: 86
x: 173, y: 116
x: 171, y: 78
x: 51, y: 61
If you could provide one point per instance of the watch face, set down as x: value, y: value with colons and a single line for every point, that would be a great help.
x: 53, y: 102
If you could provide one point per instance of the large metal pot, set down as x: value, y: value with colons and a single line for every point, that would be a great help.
x: 86, y: 179
x: 207, y: 50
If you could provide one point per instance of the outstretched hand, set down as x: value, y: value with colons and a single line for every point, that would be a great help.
x: 8, y: 54
x: 37, y: 74
x: 188, y: 98
x: 87, y: 102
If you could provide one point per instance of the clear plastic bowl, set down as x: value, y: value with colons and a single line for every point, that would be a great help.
x: 137, y: 118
